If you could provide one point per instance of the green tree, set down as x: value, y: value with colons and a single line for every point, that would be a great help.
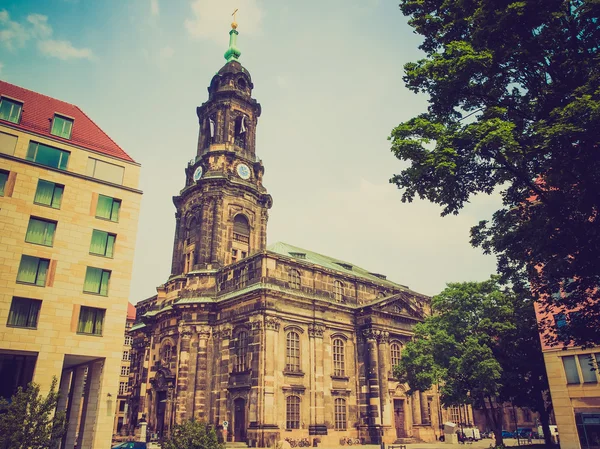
x: 480, y: 347
x: 514, y: 105
x: 192, y: 435
x: 30, y: 421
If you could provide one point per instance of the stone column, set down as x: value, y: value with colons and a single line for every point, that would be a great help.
x: 272, y: 325
x: 185, y: 335
x: 424, y: 414
x: 384, y: 369
x: 222, y: 376
x: 317, y: 380
x: 374, y: 403
x: 215, y: 243
x: 201, y: 394
x: 416, y: 408
x: 74, y: 408
x: 177, y: 246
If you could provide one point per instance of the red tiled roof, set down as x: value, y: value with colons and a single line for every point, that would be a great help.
x: 130, y: 311
x: 38, y: 112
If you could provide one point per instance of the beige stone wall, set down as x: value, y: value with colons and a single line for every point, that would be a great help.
x: 569, y: 399
x: 56, y: 334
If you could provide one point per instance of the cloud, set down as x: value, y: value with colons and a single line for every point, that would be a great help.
x: 211, y: 19
x: 154, y: 9
x: 63, y: 50
x: 40, y: 27
x: 166, y: 53
x: 12, y: 34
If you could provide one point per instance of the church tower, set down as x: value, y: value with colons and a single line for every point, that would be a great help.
x: 222, y: 211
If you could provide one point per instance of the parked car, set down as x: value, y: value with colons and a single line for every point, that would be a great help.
x: 131, y: 445
x: 507, y: 434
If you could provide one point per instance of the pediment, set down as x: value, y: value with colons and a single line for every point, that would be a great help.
x: 397, y: 305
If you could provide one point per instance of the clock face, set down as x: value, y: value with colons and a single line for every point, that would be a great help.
x: 243, y: 171
x: 198, y: 174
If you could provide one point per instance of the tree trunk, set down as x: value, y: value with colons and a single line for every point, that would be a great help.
x: 496, y: 419
x: 545, y: 421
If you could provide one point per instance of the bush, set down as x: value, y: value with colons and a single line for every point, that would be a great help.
x: 29, y: 420
x: 193, y: 435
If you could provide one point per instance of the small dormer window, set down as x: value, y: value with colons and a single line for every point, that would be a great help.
x: 62, y: 126
x: 10, y: 110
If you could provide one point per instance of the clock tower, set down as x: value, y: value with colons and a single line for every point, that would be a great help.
x: 222, y: 211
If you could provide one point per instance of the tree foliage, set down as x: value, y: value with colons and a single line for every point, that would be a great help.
x: 481, y: 347
x: 514, y: 105
x: 29, y: 421
x: 193, y: 435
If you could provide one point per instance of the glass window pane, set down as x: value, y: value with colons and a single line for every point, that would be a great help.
x: 104, y: 283
x: 105, y: 171
x: 110, y: 245
x: 40, y: 232
x: 571, y: 369
x: 61, y: 126
x: 44, y: 192
x: 10, y: 110
x: 586, y: 363
x: 3, y: 179
x: 49, y: 156
x: 24, y: 312
x: 98, y: 245
x: 28, y: 269
x: 116, y: 207
x: 58, y: 194
x: 93, y: 277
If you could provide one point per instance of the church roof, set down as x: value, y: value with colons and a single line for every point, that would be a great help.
x: 331, y: 263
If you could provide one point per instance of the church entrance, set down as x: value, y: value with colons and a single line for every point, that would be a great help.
x: 239, y: 419
x: 161, y: 405
x: 399, y: 418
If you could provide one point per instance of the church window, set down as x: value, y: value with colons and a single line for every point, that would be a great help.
x: 167, y: 354
x: 395, y: 353
x: 241, y: 351
x: 454, y: 414
x: 292, y: 362
x: 339, y: 362
x: 240, y: 131
x: 338, y: 291
x: 234, y: 255
x: 241, y: 229
x: 292, y: 412
x: 243, y: 277
x: 340, y: 414
x: 294, y: 279
x: 242, y: 83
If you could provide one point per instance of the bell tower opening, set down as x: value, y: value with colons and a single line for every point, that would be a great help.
x: 240, y: 244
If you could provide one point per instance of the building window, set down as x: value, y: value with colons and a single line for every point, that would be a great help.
x: 103, y: 243
x: 292, y: 362
x: 108, y: 208
x: 10, y: 110
x: 571, y: 369
x: 3, y: 179
x: 167, y: 352
x: 40, y: 231
x: 96, y: 281
x: 454, y: 414
x: 292, y: 412
x: 588, y: 369
x: 49, y: 156
x: 49, y: 194
x: 62, y: 126
x: 124, y: 371
x: 234, y: 257
x: 128, y: 340
x: 241, y: 351
x: 339, y: 363
x: 126, y: 356
x: 428, y: 417
x: 294, y: 279
x: 122, y: 406
x: 340, y: 414
x: 395, y: 354
x: 123, y: 387
x: 338, y: 291
x: 24, y: 312
x: 105, y: 171
x: 526, y: 415
x: 91, y: 320
x: 33, y: 270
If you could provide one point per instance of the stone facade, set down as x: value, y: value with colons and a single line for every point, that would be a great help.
x: 52, y: 342
x: 267, y: 343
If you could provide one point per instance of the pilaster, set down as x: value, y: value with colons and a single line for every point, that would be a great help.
x: 317, y: 380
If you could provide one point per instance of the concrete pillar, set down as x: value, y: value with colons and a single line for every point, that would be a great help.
x: 183, y: 361
x: 63, y: 390
x: 92, y: 406
x: 317, y: 388
x: 416, y: 408
x: 74, y: 408
x: 271, y: 327
x: 201, y: 393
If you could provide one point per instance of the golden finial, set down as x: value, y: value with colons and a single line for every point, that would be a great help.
x: 234, y: 23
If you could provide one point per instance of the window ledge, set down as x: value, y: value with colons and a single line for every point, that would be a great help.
x: 46, y: 205
x: 106, y: 219
x: 21, y: 327
x: 29, y: 283
x: 94, y: 293
x: 101, y: 255
x: 41, y: 244
x: 89, y: 335
x: 343, y: 378
x: 293, y: 373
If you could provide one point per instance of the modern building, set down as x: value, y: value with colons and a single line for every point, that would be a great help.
x: 574, y: 380
x: 69, y: 207
x: 267, y: 342
x: 124, y: 384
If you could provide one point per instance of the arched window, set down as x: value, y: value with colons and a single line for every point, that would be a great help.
x: 338, y: 291
x: 395, y: 354
x: 292, y: 412
x: 240, y: 247
x: 339, y: 359
x: 241, y: 124
x: 167, y: 354
x: 340, y: 414
x: 294, y: 279
x: 292, y: 360
x: 241, y: 351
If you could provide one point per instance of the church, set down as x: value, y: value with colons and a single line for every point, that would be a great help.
x: 267, y: 342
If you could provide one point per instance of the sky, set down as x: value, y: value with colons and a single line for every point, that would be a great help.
x: 328, y: 74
